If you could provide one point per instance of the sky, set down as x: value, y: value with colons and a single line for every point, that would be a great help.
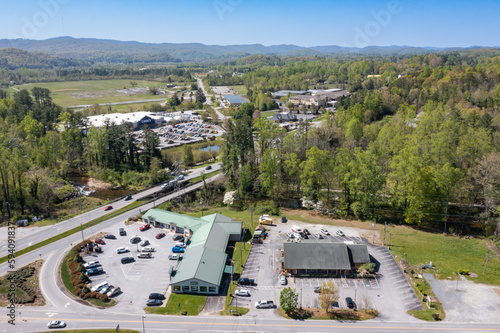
x: 438, y: 23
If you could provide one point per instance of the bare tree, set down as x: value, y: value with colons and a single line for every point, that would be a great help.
x: 328, y: 295
x: 365, y: 300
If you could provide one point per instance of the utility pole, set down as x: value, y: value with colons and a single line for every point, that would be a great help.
x: 374, y: 224
x: 385, y: 228
x: 81, y: 228
x: 251, y: 215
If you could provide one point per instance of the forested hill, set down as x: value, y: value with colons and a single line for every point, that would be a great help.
x: 12, y: 59
x: 113, y: 51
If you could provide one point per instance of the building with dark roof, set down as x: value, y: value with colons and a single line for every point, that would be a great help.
x: 284, y: 117
x: 235, y: 100
x: 323, y: 258
x: 204, y: 260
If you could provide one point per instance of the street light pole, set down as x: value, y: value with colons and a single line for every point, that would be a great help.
x: 143, y: 329
x: 385, y: 228
x: 374, y: 224
x: 81, y: 228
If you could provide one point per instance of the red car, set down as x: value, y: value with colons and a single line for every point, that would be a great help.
x: 108, y: 207
x: 160, y: 235
x: 145, y: 227
x: 100, y: 241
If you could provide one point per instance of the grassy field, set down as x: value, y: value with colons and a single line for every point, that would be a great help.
x: 266, y: 114
x: 91, y: 92
x: 333, y: 315
x: 190, y: 305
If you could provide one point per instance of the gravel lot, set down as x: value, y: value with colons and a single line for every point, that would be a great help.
x: 471, y: 303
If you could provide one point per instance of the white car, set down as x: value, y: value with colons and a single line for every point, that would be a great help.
x: 113, y: 291
x: 56, y: 324
x: 242, y: 292
x: 282, y: 280
x: 145, y: 243
x: 121, y: 250
x: 325, y: 231
x: 318, y: 236
x: 99, y: 286
x: 290, y: 235
x: 148, y: 249
x: 340, y: 233
x: 92, y: 264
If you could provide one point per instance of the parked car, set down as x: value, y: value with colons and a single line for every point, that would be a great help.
x: 246, y: 281
x: 91, y: 264
x: 145, y: 242
x: 123, y: 232
x: 160, y: 235
x: 290, y: 235
x: 318, y: 236
x: 264, y: 304
x: 173, y: 257
x: 296, y: 229
x: 144, y: 255
x: 156, y: 296
x: 282, y: 280
x: 340, y: 233
x: 121, y: 250
x: 350, y: 303
x: 145, y: 227
x: 178, y: 238
x: 99, y: 286
x: 306, y: 232
x: 154, y: 302
x: 177, y: 249
x: 94, y: 271
x: 242, y: 292
x: 108, y: 207
x: 283, y: 219
x: 113, y: 292
x: 135, y: 240
x: 105, y: 289
x: 325, y: 231
x: 208, y: 167
x: 99, y: 241
x: 126, y: 260
x: 110, y: 236
x: 148, y: 249
x: 128, y: 197
x: 56, y: 324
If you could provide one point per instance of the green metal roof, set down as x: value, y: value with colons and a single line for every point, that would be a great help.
x: 201, y: 263
x: 180, y: 220
x: 217, y: 218
x: 316, y: 255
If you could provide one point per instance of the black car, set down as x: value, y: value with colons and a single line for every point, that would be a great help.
x: 153, y: 302
x: 128, y: 197
x: 126, y: 260
x: 246, y: 281
x: 350, y: 303
x: 110, y: 236
x: 135, y: 240
x: 208, y: 167
x: 123, y: 232
x: 178, y: 238
x: 284, y: 220
x: 156, y: 296
x: 305, y: 231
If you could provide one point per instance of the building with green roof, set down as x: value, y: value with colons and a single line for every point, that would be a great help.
x: 204, y: 261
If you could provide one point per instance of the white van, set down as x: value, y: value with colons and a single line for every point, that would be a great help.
x: 296, y: 229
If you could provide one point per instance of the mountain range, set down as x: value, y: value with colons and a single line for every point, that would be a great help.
x: 109, y: 51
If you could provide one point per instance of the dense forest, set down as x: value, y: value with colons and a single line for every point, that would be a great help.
x: 420, y: 143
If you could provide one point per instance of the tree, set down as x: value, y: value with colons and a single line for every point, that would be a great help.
x: 368, y: 268
x: 200, y: 96
x: 133, y: 84
x: 329, y: 295
x: 187, y: 155
x: 289, y: 299
x: 153, y: 90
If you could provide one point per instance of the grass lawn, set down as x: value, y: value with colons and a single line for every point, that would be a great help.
x: 190, y: 305
x: 436, y: 314
x: 242, y: 90
x: 94, y: 91
x: 265, y: 114
x: 98, y: 302
x: 207, y: 175
x: 333, y: 315
x: 232, y: 311
x: 99, y: 330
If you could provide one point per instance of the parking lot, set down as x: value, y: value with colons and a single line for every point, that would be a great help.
x: 139, y: 278
x: 388, y: 292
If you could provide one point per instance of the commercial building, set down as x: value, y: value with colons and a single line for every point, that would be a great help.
x: 135, y: 119
x: 203, y: 264
x: 321, y: 258
x: 284, y: 117
x: 234, y: 100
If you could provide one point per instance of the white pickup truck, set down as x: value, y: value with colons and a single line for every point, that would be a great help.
x: 264, y: 304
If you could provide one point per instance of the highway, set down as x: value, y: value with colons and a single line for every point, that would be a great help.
x: 37, y: 235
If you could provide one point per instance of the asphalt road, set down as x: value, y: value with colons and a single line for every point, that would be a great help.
x: 38, y: 235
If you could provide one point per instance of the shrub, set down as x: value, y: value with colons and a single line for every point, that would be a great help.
x: 103, y: 297
x: 78, y: 258
x: 80, y: 268
x: 86, y: 290
x: 80, y: 285
x: 463, y: 271
x: 94, y: 294
x: 84, y: 278
x: 87, y: 295
x: 81, y: 295
x: 78, y: 291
